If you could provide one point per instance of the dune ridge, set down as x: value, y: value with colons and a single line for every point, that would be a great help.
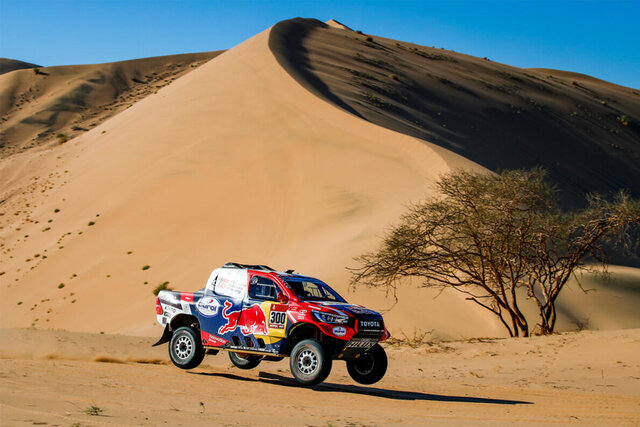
x: 584, y: 131
x: 7, y: 65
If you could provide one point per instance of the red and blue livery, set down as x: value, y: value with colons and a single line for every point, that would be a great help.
x: 259, y: 314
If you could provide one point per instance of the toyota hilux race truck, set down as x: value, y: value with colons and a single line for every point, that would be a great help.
x: 259, y: 314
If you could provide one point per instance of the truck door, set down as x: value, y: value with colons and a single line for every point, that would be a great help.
x: 265, y: 315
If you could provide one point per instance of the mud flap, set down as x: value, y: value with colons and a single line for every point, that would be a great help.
x: 166, y: 336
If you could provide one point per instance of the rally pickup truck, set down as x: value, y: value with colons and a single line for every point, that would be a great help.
x: 259, y: 314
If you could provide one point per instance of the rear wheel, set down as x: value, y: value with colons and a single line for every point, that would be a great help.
x: 185, y: 348
x: 309, y: 363
x: 243, y: 360
x: 370, y: 367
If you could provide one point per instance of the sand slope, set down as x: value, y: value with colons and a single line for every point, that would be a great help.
x: 235, y: 161
x: 585, y: 131
x: 554, y: 380
x: 38, y: 105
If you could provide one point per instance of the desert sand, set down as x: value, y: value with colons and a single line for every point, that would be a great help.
x: 567, y: 379
x: 267, y: 154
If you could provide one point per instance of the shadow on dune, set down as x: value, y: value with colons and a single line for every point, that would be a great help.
x: 269, y: 378
x: 297, y: 63
x: 584, y: 131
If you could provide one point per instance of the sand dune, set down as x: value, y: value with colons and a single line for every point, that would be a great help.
x: 49, y: 105
x: 585, y: 131
x: 234, y: 161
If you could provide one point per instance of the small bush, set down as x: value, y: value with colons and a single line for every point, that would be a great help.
x: 62, y: 138
x: 93, y: 410
x: 145, y: 267
x: 624, y: 120
x: 393, y: 77
x: 61, y: 285
x: 377, y: 101
x: 369, y: 39
x: 164, y: 286
x: 56, y: 210
x: 90, y: 223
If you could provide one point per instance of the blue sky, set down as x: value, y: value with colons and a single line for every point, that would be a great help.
x: 600, y: 38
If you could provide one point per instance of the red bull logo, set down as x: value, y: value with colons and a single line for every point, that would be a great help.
x: 250, y: 320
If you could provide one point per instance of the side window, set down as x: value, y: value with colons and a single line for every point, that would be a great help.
x: 263, y: 288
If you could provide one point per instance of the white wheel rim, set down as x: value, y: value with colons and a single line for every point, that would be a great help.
x: 183, y: 347
x: 307, y: 362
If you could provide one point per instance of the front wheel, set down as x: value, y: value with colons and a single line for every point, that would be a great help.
x: 309, y: 362
x: 185, y: 348
x: 370, y: 367
x: 244, y: 361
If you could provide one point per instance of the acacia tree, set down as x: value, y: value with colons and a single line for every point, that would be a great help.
x: 489, y: 235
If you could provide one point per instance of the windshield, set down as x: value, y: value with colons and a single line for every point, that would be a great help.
x: 308, y: 290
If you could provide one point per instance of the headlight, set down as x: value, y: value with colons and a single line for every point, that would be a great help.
x: 330, y: 318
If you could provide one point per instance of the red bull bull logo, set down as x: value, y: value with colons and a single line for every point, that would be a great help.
x: 250, y: 320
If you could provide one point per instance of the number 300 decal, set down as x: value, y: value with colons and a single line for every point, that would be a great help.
x: 277, y: 319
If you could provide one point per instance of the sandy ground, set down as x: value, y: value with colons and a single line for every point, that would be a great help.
x: 586, y: 378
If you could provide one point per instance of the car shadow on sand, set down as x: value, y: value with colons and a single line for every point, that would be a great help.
x: 269, y: 378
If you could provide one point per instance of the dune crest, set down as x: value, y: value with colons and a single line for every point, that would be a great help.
x: 8, y: 65
x: 336, y: 24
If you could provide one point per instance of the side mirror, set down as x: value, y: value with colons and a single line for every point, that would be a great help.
x: 282, y: 298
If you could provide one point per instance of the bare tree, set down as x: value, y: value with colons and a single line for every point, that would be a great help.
x: 489, y: 235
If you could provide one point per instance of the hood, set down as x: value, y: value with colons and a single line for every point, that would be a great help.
x: 352, y: 309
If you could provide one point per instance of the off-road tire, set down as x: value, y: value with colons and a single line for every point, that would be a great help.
x: 370, y: 367
x: 249, y: 361
x: 185, y: 348
x: 309, y: 363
